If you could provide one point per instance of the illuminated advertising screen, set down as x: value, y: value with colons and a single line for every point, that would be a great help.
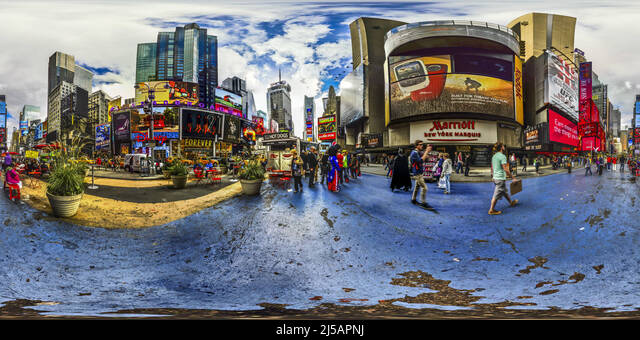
x: 232, y: 129
x: 38, y: 132
x: 24, y: 127
x: 258, y: 126
x: 228, y: 102
x: 586, y: 90
x: 3, y: 108
x: 201, y: 124
x: 518, y: 92
x: 562, y: 130
x: 103, y: 136
x: 3, y: 119
x: 122, y: 126
x: 2, y: 134
x: 466, y: 83
x: 168, y: 91
x: 327, y: 128
x: 638, y: 108
x: 561, y: 88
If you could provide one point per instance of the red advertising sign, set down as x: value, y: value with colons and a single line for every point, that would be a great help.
x: 561, y: 130
x: 327, y: 136
x: 585, y: 89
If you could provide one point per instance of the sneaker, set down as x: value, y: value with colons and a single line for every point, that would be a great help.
x: 295, y: 191
x: 414, y: 202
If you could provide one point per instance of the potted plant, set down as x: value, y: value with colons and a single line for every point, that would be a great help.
x: 179, y: 175
x: 251, y: 178
x: 65, y: 185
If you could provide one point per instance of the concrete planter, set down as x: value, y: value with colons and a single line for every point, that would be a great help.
x: 179, y: 182
x: 64, y: 206
x: 251, y: 187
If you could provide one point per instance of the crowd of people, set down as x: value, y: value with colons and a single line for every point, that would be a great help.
x: 335, y: 167
x: 12, y: 168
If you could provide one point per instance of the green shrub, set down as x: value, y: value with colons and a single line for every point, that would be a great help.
x: 252, y: 171
x: 66, y: 178
x: 178, y: 169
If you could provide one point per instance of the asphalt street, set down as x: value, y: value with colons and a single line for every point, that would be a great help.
x: 571, y: 243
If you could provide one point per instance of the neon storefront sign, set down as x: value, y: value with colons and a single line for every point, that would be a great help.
x: 159, y: 136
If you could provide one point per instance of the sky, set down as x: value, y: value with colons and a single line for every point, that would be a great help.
x: 308, y: 41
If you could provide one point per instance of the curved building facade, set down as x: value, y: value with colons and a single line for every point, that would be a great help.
x: 454, y: 84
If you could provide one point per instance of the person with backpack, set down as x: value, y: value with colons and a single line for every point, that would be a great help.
x: 500, y: 171
x: 297, y: 170
x: 417, y: 159
x: 400, y: 177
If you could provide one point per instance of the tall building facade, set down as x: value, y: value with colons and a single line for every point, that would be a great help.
x: 279, y: 102
x: 188, y: 54
x: 98, y: 107
x: 69, y: 86
x: 146, y: 62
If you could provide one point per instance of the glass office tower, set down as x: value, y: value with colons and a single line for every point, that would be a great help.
x: 188, y: 54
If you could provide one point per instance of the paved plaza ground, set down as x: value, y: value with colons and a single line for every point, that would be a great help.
x: 569, y: 249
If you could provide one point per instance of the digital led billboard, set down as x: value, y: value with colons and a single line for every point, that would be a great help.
x: 561, y: 88
x: 201, y: 124
x: 168, y: 91
x: 228, y: 102
x: 562, y: 130
x: 122, y: 126
x: 327, y: 127
x: 103, y: 136
x: 232, y: 129
x: 586, y: 91
x: 468, y: 83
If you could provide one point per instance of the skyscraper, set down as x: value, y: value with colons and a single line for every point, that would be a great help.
x: 279, y: 101
x: 188, y: 54
x: 146, y: 62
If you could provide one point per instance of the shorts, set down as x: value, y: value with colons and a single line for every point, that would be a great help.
x: 500, y: 189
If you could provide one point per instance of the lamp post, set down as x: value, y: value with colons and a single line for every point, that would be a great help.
x: 151, y: 97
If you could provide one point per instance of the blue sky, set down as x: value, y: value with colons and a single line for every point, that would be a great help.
x: 309, y: 41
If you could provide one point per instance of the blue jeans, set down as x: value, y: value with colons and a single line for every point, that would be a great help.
x: 447, y: 182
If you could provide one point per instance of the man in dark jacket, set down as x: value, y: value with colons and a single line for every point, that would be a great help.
x: 324, y: 164
x: 400, y: 176
x: 312, y: 164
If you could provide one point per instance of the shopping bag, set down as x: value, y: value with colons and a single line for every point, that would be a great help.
x: 442, y: 183
x: 515, y: 187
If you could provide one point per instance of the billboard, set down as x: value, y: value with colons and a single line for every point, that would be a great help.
x: 232, y: 129
x: 228, y: 102
x: 122, y: 126
x: 352, y: 96
x: 103, y: 136
x: 38, y: 132
x: 3, y: 119
x: 168, y: 91
x: 518, y: 92
x: 258, y: 123
x: 200, y: 124
x: 586, y: 91
x: 327, y: 127
x: 467, y: 83
x: 562, y: 130
x: 369, y: 141
x: 24, y: 127
x: 3, y: 108
x: 638, y: 108
x: 561, y: 88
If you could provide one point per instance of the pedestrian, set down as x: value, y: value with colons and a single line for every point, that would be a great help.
x: 417, y: 159
x: 340, y: 158
x: 334, y: 172
x: 437, y: 169
x: 524, y: 161
x: 587, y: 167
x: 389, y: 165
x: 312, y: 164
x: 447, y: 169
x: 400, y: 176
x: 297, y: 170
x: 467, y: 164
x: 500, y: 171
x: 536, y: 164
x: 324, y: 167
x: 622, y: 160
x: 345, y: 165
